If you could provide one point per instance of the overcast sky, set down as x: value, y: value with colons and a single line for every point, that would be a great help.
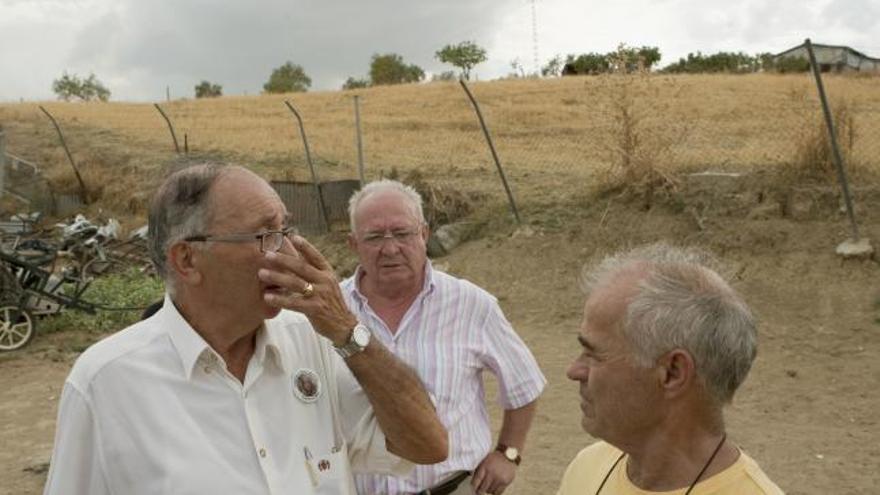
x: 138, y: 47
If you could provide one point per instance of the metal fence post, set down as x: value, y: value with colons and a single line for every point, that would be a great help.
x: 170, y: 127
x: 2, y: 162
x: 82, y: 185
x: 492, y: 149
x: 838, y: 160
x: 302, y: 131
x: 358, y: 140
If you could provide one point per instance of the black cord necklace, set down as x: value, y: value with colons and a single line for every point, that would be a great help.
x: 700, y: 475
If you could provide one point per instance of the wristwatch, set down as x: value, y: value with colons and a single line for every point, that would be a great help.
x: 510, y: 453
x: 360, y: 338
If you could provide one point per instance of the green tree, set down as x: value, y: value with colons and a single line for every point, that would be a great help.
x: 465, y: 55
x: 629, y: 59
x: 791, y: 64
x: 205, y: 89
x: 93, y: 89
x: 390, y: 69
x: 518, y: 69
x: 587, y: 63
x: 289, y: 78
x: 553, y: 67
x: 726, y: 62
x: 352, y: 83
x: 764, y: 61
x: 69, y: 86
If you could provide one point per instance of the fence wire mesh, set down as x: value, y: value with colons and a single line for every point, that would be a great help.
x: 556, y: 138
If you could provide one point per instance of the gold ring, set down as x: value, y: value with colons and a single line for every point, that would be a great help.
x: 308, y: 290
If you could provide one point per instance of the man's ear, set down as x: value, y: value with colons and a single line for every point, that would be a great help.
x: 352, y: 242
x: 677, y: 372
x: 425, y: 232
x: 183, y: 261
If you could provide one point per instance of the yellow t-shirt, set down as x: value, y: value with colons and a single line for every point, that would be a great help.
x: 588, y: 469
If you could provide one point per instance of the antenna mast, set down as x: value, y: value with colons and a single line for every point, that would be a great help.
x: 535, y: 39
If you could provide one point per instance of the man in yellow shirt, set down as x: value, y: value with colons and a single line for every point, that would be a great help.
x: 665, y: 344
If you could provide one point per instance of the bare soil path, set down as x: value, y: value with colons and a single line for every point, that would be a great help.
x: 808, y: 412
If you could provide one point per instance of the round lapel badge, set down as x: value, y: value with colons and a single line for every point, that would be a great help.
x: 306, y: 385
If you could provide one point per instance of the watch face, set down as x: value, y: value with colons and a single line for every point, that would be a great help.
x: 511, y: 453
x: 361, y: 336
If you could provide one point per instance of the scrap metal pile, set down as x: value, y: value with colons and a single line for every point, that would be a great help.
x: 45, y: 271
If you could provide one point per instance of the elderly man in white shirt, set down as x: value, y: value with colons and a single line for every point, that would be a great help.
x: 450, y: 331
x: 225, y: 391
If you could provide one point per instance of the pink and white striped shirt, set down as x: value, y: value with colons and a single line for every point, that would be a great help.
x: 451, y: 333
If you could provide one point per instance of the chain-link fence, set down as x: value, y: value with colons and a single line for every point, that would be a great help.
x: 556, y: 138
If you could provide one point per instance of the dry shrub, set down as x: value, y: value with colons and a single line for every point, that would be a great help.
x: 812, y: 157
x: 64, y: 181
x: 442, y: 204
x: 641, y: 137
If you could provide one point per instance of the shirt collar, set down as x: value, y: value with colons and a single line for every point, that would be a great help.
x: 192, y: 348
x: 428, y: 285
x: 270, y: 345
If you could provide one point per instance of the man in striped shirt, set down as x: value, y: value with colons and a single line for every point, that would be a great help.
x: 450, y: 331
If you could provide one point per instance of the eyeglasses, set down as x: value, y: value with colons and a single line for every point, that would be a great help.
x: 399, y: 237
x: 270, y: 240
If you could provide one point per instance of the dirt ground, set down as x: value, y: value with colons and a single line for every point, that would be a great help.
x: 808, y: 413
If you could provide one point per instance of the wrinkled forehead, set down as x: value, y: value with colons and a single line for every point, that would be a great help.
x: 606, y: 305
x: 241, y: 199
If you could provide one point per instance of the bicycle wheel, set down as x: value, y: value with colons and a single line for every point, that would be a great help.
x: 16, y: 327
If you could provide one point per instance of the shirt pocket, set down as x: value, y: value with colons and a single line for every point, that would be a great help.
x: 330, y: 472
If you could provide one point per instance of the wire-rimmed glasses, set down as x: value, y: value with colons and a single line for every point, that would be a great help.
x: 398, y: 236
x: 270, y: 240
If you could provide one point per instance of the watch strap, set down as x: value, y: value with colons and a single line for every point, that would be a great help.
x: 352, y: 347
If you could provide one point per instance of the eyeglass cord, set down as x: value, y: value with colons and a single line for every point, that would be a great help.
x: 693, y: 484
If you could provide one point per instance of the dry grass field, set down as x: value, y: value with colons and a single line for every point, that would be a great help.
x: 552, y: 136
x: 808, y: 411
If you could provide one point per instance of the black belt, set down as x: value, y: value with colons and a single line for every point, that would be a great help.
x: 447, y: 486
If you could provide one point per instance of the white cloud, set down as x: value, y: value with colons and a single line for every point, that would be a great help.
x: 138, y: 47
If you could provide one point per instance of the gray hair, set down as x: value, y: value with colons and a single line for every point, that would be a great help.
x: 180, y: 208
x: 681, y: 302
x: 412, y: 197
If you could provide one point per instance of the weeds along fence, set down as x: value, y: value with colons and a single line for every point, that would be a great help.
x: 556, y: 138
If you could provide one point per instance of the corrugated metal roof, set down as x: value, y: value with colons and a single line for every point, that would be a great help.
x: 832, y: 47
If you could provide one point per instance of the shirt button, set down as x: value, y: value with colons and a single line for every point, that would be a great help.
x: 262, y: 452
x: 207, y: 369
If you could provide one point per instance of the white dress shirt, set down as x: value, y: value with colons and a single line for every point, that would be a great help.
x: 451, y: 334
x: 153, y: 410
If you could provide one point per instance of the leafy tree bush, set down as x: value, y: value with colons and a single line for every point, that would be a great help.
x: 736, y: 63
x: 553, y: 67
x: 205, y: 89
x: 586, y: 63
x: 68, y: 86
x: 465, y: 55
x: 791, y: 64
x: 625, y: 59
x: 728, y: 62
x: 289, y: 78
x: 352, y: 83
x: 518, y: 69
x: 390, y: 69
